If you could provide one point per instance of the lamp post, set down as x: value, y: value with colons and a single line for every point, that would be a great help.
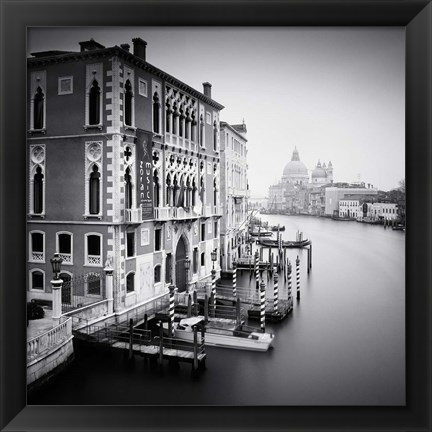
x: 56, y: 285
x: 213, y: 273
x: 187, y: 263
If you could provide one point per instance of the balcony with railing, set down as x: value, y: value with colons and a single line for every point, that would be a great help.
x: 178, y: 141
x: 216, y: 210
x: 163, y: 213
x: 184, y: 213
x: 37, y: 256
x: 66, y: 257
x: 133, y: 215
x: 206, y: 210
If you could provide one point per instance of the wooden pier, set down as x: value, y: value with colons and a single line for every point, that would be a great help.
x: 271, y: 314
x: 156, y: 349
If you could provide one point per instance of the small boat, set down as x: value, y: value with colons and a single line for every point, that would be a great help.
x: 343, y: 218
x: 398, y: 228
x: 278, y: 228
x: 285, y: 244
x: 225, y: 333
x: 260, y: 233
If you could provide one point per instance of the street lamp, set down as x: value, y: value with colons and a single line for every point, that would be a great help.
x: 213, y: 256
x: 56, y: 262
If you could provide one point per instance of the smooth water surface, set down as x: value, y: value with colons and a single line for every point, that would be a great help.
x: 344, y: 343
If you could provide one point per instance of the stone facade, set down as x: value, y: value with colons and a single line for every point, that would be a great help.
x: 124, y: 164
x: 234, y: 193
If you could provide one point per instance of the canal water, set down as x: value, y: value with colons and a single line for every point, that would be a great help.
x: 343, y: 344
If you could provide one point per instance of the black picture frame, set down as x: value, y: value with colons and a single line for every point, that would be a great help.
x: 415, y: 15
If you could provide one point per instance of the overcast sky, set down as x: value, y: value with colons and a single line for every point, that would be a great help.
x: 338, y: 94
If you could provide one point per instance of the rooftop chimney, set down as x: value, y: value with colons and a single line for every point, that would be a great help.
x: 139, y: 48
x: 125, y: 47
x: 207, y: 89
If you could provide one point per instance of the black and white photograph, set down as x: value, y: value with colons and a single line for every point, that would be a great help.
x: 216, y: 216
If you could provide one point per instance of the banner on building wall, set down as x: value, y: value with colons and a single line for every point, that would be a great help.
x: 145, y: 173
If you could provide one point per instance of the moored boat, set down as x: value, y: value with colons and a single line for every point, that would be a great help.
x: 285, y: 244
x: 260, y: 233
x: 225, y: 333
x: 278, y: 228
x: 343, y: 218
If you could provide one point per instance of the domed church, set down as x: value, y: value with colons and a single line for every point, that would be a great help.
x: 322, y: 174
x: 295, y: 171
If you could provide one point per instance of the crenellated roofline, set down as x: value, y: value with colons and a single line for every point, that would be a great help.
x: 125, y: 55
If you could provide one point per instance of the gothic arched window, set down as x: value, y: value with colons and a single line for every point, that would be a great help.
x: 94, y: 104
x: 215, y: 136
x: 181, y: 121
x: 187, y: 123
x: 38, y: 191
x: 201, y: 132
x: 38, y: 109
x: 168, y: 190
x: 156, y: 113
x: 94, y: 189
x: 128, y: 104
x: 194, y: 190
x: 168, y: 112
x: 193, y: 126
x: 175, y: 120
x: 214, y: 192
x: 128, y: 188
x: 156, y: 191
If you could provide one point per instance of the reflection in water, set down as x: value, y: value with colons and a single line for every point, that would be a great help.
x: 344, y: 343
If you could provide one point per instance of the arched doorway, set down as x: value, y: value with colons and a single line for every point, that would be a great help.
x: 179, y: 265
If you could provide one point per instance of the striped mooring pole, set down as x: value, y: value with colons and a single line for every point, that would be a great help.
x: 257, y: 269
x: 262, y: 305
x: 171, y: 307
x: 213, y: 287
x: 234, y: 279
x: 289, y: 282
x: 298, y: 277
x: 275, y: 292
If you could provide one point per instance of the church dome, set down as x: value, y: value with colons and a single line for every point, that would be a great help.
x: 319, y: 171
x: 295, y: 168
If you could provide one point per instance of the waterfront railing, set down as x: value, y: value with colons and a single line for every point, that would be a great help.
x: 39, y: 346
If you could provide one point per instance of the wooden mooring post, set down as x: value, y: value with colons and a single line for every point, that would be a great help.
x: 160, y: 345
x: 171, y: 308
x: 262, y: 305
x: 289, y: 282
x: 195, y: 351
x: 189, y: 306
x: 213, y: 304
x: 131, y: 353
x: 234, y: 279
x: 206, y: 308
x: 238, y: 312
x: 257, y: 269
x: 275, y: 292
x: 195, y: 303
x: 298, y: 277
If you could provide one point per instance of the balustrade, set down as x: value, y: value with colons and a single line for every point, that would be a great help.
x: 133, y: 215
x: 39, y: 345
x: 38, y: 256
